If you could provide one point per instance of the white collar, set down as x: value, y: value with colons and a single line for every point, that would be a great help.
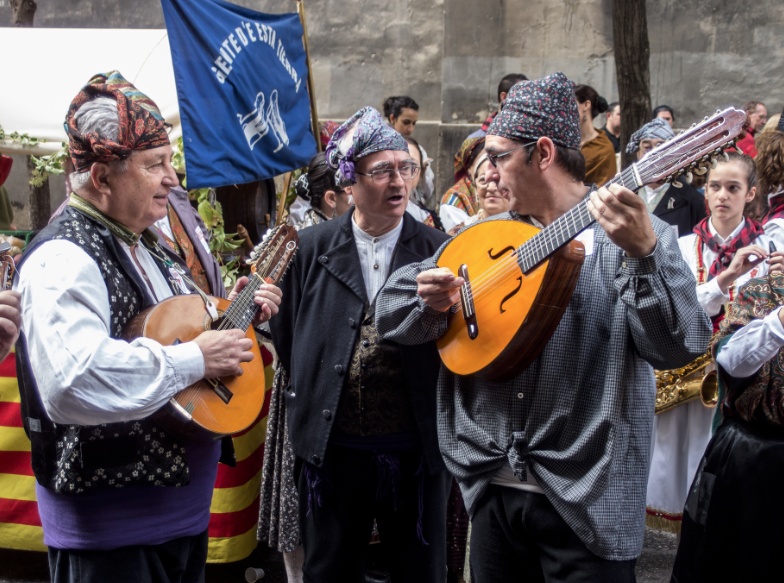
x: 719, y: 238
x: 361, y: 235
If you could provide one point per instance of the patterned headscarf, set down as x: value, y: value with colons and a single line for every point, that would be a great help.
x: 466, y: 155
x: 141, y: 123
x: 368, y: 134
x: 658, y: 129
x: 540, y: 108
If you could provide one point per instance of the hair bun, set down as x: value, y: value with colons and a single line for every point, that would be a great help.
x: 302, y: 187
x: 601, y: 104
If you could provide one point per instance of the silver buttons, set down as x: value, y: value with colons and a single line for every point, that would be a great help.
x: 519, y: 395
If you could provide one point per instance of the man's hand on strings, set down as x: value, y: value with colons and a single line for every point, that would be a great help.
x: 267, y: 297
x: 439, y: 288
x: 624, y: 217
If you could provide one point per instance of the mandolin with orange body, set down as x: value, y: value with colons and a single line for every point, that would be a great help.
x: 212, y: 408
x: 519, y: 279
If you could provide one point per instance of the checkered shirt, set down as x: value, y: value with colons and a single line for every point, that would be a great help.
x: 580, y: 416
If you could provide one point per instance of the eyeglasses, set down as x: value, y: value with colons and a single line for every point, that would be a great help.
x: 494, y: 157
x: 407, y: 172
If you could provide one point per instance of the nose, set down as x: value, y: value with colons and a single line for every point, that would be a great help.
x: 397, y: 179
x: 170, y: 176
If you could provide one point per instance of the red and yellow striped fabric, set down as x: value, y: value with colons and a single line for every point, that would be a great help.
x: 235, y: 501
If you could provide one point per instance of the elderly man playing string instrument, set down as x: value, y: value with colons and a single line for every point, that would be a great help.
x: 553, y: 462
x: 361, y: 411
x: 120, y: 499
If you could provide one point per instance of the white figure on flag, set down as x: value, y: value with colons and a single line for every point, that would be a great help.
x: 256, y: 124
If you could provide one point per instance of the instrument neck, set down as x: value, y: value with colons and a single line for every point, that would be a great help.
x: 243, y: 309
x: 562, y: 230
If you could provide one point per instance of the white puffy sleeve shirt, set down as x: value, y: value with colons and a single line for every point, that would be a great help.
x: 84, y: 376
x: 709, y: 294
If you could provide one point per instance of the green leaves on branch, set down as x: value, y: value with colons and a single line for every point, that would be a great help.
x: 46, y: 165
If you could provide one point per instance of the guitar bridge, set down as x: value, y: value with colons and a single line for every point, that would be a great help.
x: 467, y: 303
x: 221, y: 390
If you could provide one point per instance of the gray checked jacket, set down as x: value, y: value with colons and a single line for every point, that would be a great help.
x: 580, y: 417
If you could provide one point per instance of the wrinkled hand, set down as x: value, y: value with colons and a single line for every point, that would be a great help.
x: 745, y: 260
x: 223, y: 352
x: 776, y: 262
x: 267, y: 297
x: 439, y: 288
x: 624, y: 217
x: 10, y: 320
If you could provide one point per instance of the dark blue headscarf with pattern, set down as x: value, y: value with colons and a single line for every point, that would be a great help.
x: 363, y: 134
x: 540, y: 108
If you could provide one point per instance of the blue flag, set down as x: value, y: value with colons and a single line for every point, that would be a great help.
x: 242, y: 87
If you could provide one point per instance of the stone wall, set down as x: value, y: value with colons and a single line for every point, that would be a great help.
x: 450, y: 54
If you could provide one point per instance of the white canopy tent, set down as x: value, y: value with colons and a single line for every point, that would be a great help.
x: 42, y: 78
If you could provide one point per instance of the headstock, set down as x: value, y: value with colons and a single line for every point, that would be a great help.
x: 692, y: 150
x: 271, y: 258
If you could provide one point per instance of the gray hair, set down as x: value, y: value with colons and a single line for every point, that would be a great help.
x: 100, y: 116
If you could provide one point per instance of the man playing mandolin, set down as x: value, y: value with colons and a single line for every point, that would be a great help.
x: 553, y: 462
x: 120, y: 499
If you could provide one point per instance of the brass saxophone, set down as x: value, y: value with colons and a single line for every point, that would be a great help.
x: 678, y: 386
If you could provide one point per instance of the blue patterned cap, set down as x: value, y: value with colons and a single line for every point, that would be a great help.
x: 368, y: 133
x: 658, y: 129
x: 540, y: 108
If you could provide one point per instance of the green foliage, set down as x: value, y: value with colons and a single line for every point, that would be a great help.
x: 45, y: 165
x: 223, y: 245
x: 178, y: 157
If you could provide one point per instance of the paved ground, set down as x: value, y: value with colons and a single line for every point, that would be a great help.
x: 654, y: 565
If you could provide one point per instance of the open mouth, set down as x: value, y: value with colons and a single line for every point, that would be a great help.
x: 396, y: 197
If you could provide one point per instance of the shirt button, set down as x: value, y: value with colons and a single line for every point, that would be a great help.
x: 362, y: 409
x: 323, y: 259
x: 375, y: 240
x: 362, y: 388
x: 519, y: 395
x: 375, y: 266
x: 623, y: 264
x: 364, y: 365
x: 315, y: 459
x: 327, y: 414
x: 365, y: 343
x: 352, y: 323
x: 339, y: 368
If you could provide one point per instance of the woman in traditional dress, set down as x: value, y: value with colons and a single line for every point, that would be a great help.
x: 416, y: 209
x: 459, y: 202
x: 595, y: 146
x: 724, y: 252
x: 278, y: 520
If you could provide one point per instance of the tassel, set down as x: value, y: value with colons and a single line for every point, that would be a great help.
x: 388, y: 465
x: 319, y: 485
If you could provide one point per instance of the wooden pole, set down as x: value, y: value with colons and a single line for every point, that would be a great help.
x: 283, y: 195
x: 311, y: 85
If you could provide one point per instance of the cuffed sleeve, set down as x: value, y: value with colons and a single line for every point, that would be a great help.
x: 402, y: 315
x: 667, y: 323
x: 752, y: 346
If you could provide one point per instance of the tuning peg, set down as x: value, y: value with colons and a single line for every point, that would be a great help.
x: 700, y: 171
x: 689, y: 177
x: 677, y: 184
x: 726, y: 156
x: 714, y: 162
x: 680, y: 133
x: 705, y: 118
x: 718, y: 111
x: 694, y: 125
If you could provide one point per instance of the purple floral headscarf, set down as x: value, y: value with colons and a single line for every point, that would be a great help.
x: 369, y: 134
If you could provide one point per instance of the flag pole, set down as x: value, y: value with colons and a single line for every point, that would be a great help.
x: 311, y: 85
x: 282, y: 202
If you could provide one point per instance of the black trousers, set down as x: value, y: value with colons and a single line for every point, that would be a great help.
x: 519, y: 536
x: 181, y: 560
x: 732, y: 520
x: 336, y: 535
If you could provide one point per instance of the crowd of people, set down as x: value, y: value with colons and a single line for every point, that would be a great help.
x: 557, y: 467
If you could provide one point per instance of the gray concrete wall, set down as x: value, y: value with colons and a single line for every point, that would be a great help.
x: 450, y: 54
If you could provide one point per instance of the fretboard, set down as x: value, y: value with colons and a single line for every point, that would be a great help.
x: 242, y: 310
x: 557, y: 234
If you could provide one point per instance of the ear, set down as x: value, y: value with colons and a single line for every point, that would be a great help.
x: 546, y: 149
x: 751, y: 194
x: 503, y: 96
x: 99, y: 172
x: 349, y: 189
x: 392, y: 120
x: 330, y: 197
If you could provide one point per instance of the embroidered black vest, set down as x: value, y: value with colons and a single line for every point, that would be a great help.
x: 75, y: 458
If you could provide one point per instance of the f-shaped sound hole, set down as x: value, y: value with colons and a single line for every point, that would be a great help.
x: 501, y: 253
x: 511, y: 294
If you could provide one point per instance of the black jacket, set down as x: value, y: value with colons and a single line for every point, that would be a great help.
x: 317, y: 327
x: 684, y: 207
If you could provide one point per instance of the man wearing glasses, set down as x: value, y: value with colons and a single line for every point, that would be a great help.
x: 553, y: 463
x: 361, y: 411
